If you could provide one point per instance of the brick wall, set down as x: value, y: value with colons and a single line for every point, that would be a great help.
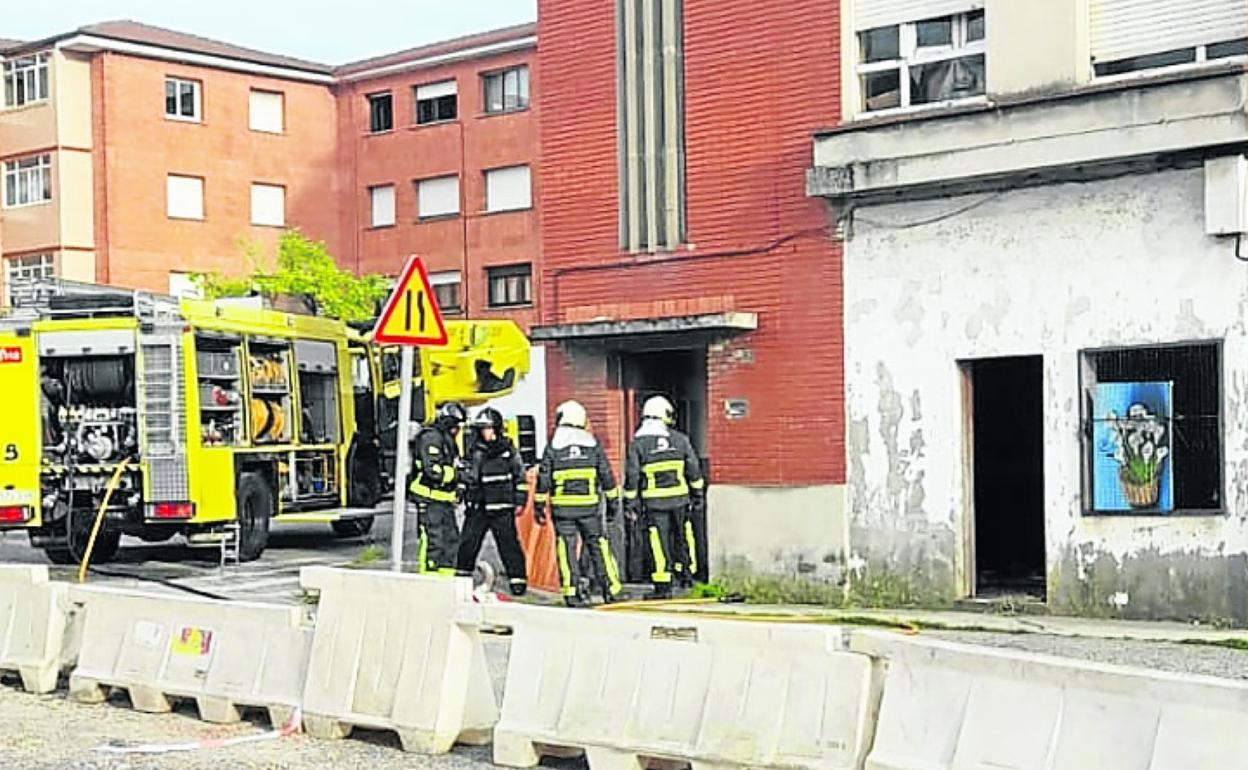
x: 758, y: 80
x: 137, y: 147
x: 466, y: 147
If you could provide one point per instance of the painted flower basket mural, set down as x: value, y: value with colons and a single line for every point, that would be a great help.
x: 1132, y: 467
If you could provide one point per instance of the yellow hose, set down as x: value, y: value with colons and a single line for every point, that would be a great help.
x: 745, y: 617
x: 99, y: 520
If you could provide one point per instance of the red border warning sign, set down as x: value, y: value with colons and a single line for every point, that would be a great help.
x: 411, y: 315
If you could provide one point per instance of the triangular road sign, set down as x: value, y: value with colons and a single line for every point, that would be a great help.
x: 411, y: 315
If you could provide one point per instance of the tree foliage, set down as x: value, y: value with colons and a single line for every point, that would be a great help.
x: 302, y: 267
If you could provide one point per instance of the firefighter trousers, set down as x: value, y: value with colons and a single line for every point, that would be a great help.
x: 439, y: 536
x: 672, y: 546
x: 589, y: 530
x: 477, y: 523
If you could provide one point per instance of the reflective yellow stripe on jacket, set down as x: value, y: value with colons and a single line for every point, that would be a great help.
x: 420, y: 490
x: 652, y: 470
x: 562, y: 498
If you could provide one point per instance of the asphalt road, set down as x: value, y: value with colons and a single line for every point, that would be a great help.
x: 274, y: 577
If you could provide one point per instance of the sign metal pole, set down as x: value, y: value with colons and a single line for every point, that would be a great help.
x: 402, y: 458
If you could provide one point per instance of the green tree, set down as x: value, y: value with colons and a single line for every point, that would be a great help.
x: 303, y: 266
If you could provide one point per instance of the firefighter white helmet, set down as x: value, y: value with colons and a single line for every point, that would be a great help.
x: 659, y: 408
x: 571, y: 414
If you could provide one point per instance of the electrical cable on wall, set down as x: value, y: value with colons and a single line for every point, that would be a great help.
x: 930, y: 220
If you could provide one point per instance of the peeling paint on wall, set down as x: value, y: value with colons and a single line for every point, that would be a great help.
x: 1050, y: 271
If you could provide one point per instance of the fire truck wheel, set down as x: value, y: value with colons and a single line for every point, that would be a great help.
x: 255, y: 507
x: 353, y: 527
x: 107, y: 543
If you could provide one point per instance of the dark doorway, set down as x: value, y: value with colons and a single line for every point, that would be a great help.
x: 1007, y: 426
x: 680, y: 375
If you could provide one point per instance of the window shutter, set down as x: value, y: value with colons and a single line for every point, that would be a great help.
x: 437, y: 197
x: 436, y: 90
x: 266, y: 112
x: 508, y: 189
x: 1125, y: 28
x: 268, y: 205
x: 383, y: 205
x: 884, y: 13
x: 184, y: 197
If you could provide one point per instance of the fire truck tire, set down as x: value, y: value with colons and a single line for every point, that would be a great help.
x: 107, y: 543
x: 353, y: 527
x: 255, y: 508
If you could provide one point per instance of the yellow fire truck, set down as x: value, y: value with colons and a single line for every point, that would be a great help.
x: 209, y: 419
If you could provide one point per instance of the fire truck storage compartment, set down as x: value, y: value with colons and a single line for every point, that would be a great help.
x: 88, y: 387
x: 219, y: 379
x: 318, y: 391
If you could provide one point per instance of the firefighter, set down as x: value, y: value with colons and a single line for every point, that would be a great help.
x: 436, y: 477
x: 496, y: 494
x: 573, y: 476
x: 663, y: 485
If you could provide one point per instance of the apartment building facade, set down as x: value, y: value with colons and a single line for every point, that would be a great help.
x: 137, y: 156
x: 438, y: 148
x: 1042, y: 206
x: 681, y: 256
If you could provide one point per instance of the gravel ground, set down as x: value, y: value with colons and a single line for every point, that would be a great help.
x: 1158, y: 656
x: 48, y: 732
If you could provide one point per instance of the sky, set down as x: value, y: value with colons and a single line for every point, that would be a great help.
x: 320, y: 30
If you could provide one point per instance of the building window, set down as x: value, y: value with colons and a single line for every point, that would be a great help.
x: 266, y: 112
x: 651, y: 107
x: 25, y: 80
x: 185, y: 285
x: 923, y: 62
x: 20, y: 273
x: 1129, y: 36
x: 436, y: 102
x: 446, y: 289
x: 268, y: 205
x: 510, y: 286
x: 381, y: 200
x: 508, y: 189
x: 184, y: 197
x: 437, y: 197
x: 506, y: 90
x: 380, y: 113
x: 183, y: 100
x: 1153, y: 429
x: 28, y: 181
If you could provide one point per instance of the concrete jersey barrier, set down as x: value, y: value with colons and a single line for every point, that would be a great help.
x: 34, y: 617
x: 949, y: 706
x: 630, y: 689
x: 224, y: 655
x: 397, y: 652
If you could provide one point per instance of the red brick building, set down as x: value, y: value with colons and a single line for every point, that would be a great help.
x: 436, y: 152
x: 681, y: 254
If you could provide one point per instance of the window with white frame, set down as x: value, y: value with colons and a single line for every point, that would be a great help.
x: 184, y: 197
x: 506, y: 90
x: 268, y: 205
x: 381, y: 201
x: 931, y: 61
x: 25, y: 80
x: 438, y: 197
x: 446, y: 289
x: 265, y: 111
x: 28, y: 181
x: 183, y: 100
x: 1129, y: 36
x: 510, y: 286
x: 21, y: 272
x: 436, y: 102
x: 508, y: 189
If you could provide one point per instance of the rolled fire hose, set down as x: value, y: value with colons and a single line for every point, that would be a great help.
x: 99, y: 519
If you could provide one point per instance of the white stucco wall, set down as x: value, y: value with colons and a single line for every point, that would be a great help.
x: 1050, y: 270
